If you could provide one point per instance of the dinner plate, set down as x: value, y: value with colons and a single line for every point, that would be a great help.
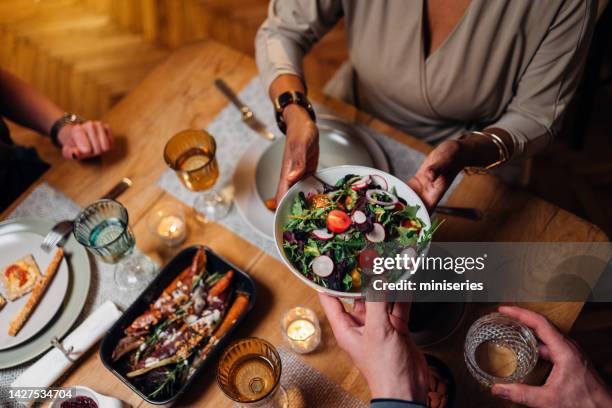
x: 79, y: 278
x: 15, y: 246
x: 258, y: 170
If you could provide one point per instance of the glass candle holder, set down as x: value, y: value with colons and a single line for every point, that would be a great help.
x: 167, y: 223
x: 301, y: 330
x: 249, y: 374
x: 499, y: 349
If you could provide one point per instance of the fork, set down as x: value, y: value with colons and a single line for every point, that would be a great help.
x: 61, y: 230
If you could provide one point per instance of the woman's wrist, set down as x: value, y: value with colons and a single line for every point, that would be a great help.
x: 481, y: 149
x: 295, y: 114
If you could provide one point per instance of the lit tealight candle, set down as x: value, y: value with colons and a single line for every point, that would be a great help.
x: 170, y: 227
x: 301, y: 329
x: 168, y: 223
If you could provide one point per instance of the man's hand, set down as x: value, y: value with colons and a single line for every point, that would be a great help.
x: 88, y: 139
x: 301, y: 148
x: 376, y: 336
x: 437, y: 172
x: 572, y: 382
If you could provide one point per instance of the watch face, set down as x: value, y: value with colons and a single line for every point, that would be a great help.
x: 285, y: 99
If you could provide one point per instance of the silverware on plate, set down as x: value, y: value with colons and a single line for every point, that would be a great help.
x: 59, y: 232
x: 463, y: 212
x: 248, y: 117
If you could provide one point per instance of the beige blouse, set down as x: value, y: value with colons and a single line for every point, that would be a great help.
x: 513, y: 64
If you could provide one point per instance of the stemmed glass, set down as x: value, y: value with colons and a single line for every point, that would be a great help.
x: 192, y: 155
x: 249, y: 374
x: 103, y: 228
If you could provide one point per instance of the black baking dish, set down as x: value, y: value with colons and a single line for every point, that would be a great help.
x: 151, y: 293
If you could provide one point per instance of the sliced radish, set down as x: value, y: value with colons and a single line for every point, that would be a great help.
x: 377, y: 234
x: 310, y: 193
x: 361, y: 183
x: 322, y: 234
x: 359, y: 217
x: 323, y: 266
x: 380, y: 181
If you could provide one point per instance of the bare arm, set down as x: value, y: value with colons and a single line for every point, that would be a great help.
x: 25, y: 105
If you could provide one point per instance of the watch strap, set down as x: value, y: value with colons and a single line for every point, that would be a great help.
x: 287, y: 98
x: 66, y: 119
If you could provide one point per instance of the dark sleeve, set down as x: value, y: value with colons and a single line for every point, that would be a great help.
x: 394, y: 403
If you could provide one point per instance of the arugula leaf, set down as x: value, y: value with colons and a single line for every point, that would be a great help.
x: 347, y: 282
x: 311, y: 249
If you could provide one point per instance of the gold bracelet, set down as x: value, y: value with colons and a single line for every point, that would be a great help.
x: 504, y: 154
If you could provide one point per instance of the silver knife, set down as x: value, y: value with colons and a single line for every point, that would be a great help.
x: 463, y: 212
x: 248, y: 117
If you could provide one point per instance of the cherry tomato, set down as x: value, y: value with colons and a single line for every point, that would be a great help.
x: 338, y: 221
x: 271, y: 204
x: 366, y: 258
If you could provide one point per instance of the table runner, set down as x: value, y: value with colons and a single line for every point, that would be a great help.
x: 233, y: 137
x: 307, y: 387
x: 46, y: 202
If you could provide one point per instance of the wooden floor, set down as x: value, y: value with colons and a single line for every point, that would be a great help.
x: 86, y: 54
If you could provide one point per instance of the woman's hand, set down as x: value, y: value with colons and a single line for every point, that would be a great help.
x: 376, y: 337
x: 437, y: 172
x: 88, y: 139
x: 301, y: 148
x: 572, y: 382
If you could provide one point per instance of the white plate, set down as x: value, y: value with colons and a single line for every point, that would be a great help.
x: 14, y: 246
x: 258, y: 170
x: 331, y: 176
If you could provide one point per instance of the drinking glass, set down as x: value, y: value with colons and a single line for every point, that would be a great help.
x: 103, y: 228
x: 499, y: 349
x: 249, y: 374
x: 192, y: 155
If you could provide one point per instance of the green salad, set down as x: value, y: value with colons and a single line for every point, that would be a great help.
x: 334, y: 234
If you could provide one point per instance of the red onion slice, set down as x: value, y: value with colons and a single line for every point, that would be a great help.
x: 370, y: 197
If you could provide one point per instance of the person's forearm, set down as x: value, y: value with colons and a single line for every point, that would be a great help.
x: 480, y: 151
x: 25, y: 105
x: 293, y: 112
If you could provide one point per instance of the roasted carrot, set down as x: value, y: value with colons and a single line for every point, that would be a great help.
x: 221, y: 285
x: 198, y: 264
x: 233, y: 314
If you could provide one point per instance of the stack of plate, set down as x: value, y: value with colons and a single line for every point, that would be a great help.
x: 258, y: 171
x: 62, y: 302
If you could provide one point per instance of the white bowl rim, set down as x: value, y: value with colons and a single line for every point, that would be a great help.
x: 350, y: 169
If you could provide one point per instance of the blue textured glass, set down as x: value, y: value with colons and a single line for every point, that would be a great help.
x: 103, y: 228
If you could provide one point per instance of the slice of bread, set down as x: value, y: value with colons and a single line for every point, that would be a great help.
x: 20, y: 277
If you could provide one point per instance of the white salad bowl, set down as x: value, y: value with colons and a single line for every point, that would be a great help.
x: 331, y: 175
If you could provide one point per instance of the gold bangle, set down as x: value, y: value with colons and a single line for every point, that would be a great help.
x: 502, y: 149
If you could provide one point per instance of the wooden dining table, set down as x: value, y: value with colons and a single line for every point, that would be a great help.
x: 180, y: 94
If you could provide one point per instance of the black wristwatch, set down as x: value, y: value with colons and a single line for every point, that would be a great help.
x: 287, y: 98
x: 66, y: 119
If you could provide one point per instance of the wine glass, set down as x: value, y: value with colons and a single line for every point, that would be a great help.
x: 499, y: 349
x: 192, y: 155
x: 103, y: 228
x: 249, y: 374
